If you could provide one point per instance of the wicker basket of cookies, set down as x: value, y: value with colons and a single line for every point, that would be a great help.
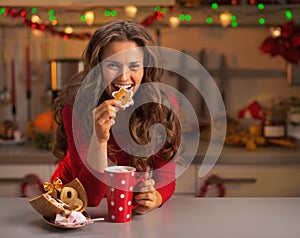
x: 59, y: 198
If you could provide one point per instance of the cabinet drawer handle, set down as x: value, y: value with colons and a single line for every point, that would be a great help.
x: 215, y: 180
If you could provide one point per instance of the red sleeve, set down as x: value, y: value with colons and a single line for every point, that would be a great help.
x: 164, y: 177
x: 95, y: 189
x: 164, y: 173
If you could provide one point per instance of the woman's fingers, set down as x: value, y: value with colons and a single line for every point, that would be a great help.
x: 105, y: 112
x: 148, y: 182
x: 146, y: 192
x: 147, y: 196
x: 147, y: 201
x: 105, y: 115
x: 146, y: 186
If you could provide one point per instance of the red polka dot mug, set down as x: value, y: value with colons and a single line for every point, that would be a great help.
x: 120, y: 181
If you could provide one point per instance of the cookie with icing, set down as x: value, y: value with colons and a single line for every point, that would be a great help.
x: 124, y: 97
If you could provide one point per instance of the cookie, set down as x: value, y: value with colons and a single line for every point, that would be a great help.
x: 124, y: 97
x: 68, y: 194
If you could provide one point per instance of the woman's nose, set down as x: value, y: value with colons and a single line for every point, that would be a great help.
x: 125, y: 74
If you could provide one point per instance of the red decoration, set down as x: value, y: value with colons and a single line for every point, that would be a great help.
x: 157, y: 15
x: 31, y: 179
x: 203, y: 190
x: 287, y: 44
x: 254, y: 109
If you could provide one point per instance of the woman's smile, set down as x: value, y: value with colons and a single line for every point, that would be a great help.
x: 117, y: 86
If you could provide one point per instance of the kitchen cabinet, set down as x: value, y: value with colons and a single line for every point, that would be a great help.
x: 260, y: 181
x: 268, y: 172
x: 20, y: 161
x: 270, y: 180
x: 13, y: 176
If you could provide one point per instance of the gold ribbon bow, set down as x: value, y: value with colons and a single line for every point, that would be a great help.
x: 50, y: 187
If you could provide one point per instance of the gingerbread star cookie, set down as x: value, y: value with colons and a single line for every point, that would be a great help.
x: 124, y: 97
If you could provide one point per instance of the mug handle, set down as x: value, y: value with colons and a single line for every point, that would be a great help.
x: 135, y: 205
x: 138, y: 180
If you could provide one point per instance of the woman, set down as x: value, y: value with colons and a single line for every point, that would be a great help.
x: 130, y: 71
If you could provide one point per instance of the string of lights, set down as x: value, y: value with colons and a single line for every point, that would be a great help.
x: 215, y: 14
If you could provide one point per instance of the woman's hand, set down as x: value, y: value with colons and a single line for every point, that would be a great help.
x: 148, y: 198
x: 105, y: 115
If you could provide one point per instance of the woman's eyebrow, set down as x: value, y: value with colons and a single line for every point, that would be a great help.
x: 107, y: 62
x: 120, y: 63
x: 134, y: 62
x: 110, y: 60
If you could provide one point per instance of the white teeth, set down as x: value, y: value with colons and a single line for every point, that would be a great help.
x: 122, y: 86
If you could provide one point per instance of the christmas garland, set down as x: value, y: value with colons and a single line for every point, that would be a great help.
x: 14, y: 13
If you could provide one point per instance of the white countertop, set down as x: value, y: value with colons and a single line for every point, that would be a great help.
x: 181, y: 217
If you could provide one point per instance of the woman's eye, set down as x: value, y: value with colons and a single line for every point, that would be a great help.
x: 135, y: 66
x: 112, y: 65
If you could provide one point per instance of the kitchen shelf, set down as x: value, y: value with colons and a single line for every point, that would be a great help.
x: 27, y: 153
x: 261, y: 156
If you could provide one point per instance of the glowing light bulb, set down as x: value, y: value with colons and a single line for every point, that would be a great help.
x: 209, y: 20
x: 89, y: 18
x: 131, y: 11
x: 225, y: 18
x: 68, y: 30
x: 288, y: 14
x: 36, y: 19
x: 54, y: 22
x: 275, y: 32
x: 174, y: 21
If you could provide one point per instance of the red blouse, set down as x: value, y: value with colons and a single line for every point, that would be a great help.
x: 72, y: 166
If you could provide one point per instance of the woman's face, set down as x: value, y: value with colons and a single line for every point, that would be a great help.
x: 123, y: 69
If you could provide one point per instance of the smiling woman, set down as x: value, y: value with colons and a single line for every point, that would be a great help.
x: 118, y: 57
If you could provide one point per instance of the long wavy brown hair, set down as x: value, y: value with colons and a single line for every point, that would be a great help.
x: 145, y: 115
